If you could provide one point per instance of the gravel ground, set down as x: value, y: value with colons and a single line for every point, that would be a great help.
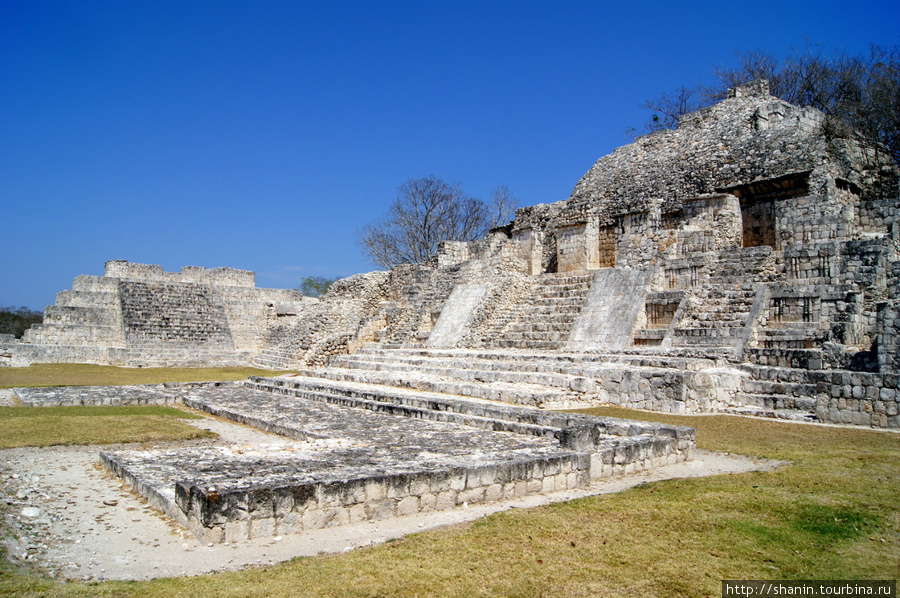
x: 68, y: 517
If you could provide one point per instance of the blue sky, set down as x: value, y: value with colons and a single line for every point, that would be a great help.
x: 263, y: 135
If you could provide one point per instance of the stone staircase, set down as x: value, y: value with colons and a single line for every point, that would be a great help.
x: 87, y: 315
x: 793, y: 335
x: 407, y: 319
x: 718, y: 319
x: 785, y: 393
x: 759, y: 264
x: 273, y: 359
x: 542, y: 320
x: 534, y: 378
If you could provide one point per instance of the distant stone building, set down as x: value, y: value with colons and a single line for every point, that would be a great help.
x: 748, y: 261
x: 139, y: 315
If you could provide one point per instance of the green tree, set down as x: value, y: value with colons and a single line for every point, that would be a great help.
x: 315, y: 286
x: 426, y: 212
x: 863, y: 91
x: 16, y: 320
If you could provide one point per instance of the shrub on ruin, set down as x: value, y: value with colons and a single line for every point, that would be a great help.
x: 863, y: 91
x: 315, y: 286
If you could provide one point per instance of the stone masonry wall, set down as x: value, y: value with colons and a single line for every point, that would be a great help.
x: 189, y: 274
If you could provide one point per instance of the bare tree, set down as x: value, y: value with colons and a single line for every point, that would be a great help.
x: 863, y: 91
x: 668, y: 108
x: 426, y: 212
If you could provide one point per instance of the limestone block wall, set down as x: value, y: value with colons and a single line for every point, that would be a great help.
x: 188, y: 274
x: 163, y: 313
x: 860, y: 398
x: 578, y: 248
x: 137, y: 314
x: 256, y: 513
x: 888, y: 339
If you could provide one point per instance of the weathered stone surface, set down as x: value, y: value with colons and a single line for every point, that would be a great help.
x: 758, y: 237
x: 367, y: 455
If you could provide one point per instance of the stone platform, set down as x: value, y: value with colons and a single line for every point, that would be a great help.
x: 367, y: 453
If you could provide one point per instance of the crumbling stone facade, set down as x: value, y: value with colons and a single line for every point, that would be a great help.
x: 751, y: 256
x: 139, y: 315
x: 747, y: 261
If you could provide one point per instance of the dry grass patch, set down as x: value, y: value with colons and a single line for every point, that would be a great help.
x: 48, y: 426
x: 80, y: 374
x: 832, y: 514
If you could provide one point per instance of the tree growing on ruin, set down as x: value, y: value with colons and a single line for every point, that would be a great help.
x: 315, y: 286
x: 426, y: 212
x: 863, y: 91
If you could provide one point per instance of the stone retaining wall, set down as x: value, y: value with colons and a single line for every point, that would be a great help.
x: 859, y: 398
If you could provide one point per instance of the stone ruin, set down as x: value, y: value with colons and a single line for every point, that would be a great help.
x: 747, y: 262
x: 139, y: 315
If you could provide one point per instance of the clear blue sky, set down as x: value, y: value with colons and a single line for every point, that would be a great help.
x: 263, y: 135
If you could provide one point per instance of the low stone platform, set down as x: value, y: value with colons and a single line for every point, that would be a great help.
x: 67, y: 396
x: 367, y: 453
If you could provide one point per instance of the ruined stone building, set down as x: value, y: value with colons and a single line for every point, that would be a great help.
x: 745, y: 262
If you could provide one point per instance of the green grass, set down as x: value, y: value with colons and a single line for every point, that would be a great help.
x: 833, y: 513
x: 48, y: 426
x: 79, y: 374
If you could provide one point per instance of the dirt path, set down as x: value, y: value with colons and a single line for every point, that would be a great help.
x: 72, y: 519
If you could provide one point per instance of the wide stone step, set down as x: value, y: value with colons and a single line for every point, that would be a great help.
x: 811, y: 359
x: 69, y: 298
x: 560, y: 303
x: 786, y: 414
x: 277, y: 360
x: 784, y: 374
x: 418, y: 405
x: 777, y: 387
x: 64, y: 315
x: 777, y: 402
x: 474, y: 372
x: 727, y: 332
x: 91, y: 284
x: 516, y: 393
x: 550, y: 319
x: 531, y: 335
x: 735, y: 324
x: 557, y: 329
x: 540, y: 361
x: 72, y: 334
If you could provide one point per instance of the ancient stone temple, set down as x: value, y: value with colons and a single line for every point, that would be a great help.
x: 746, y: 262
x: 139, y: 315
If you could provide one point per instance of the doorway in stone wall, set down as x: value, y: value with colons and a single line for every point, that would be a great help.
x: 606, y: 246
x: 758, y: 220
x: 758, y: 200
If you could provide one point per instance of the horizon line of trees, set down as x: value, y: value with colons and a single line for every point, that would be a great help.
x: 16, y: 320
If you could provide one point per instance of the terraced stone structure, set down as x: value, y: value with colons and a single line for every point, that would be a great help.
x: 748, y: 261
x: 745, y: 262
x: 365, y: 454
x: 139, y: 315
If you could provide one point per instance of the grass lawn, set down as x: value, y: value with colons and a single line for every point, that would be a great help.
x: 79, y: 374
x: 47, y: 426
x: 834, y: 513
